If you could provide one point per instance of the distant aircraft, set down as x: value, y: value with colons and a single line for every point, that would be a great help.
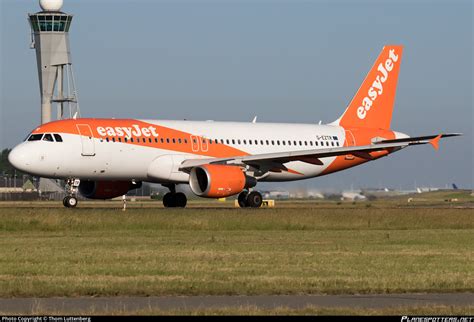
x: 105, y: 158
x: 455, y: 187
x: 351, y: 195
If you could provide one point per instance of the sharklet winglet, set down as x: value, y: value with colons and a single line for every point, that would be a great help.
x: 435, y: 142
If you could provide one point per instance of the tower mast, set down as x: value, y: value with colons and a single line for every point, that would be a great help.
x: 50, y: 38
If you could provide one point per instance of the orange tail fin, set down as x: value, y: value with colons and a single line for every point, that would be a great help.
x: 372, y: 105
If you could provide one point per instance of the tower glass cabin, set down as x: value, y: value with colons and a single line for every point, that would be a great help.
x: 50, y: 21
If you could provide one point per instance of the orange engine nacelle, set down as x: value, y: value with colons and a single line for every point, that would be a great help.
x: 219, y: 181
x: 106, y: 189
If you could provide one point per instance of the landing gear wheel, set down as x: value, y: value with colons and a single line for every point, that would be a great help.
x: 70, y: 201
x: 254, y: 199
x: 172, y: 200
x: 242, y: 199
x: 180, y: 200
x: 169, y: 200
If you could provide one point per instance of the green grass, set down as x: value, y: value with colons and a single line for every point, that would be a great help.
x: 304, y: 250
x: 252, y: 310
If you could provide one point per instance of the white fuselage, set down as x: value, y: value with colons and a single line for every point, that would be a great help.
x: 100, y: 158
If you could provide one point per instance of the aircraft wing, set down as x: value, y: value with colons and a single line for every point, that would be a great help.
x: 313, y: 156
x: 419, y: 139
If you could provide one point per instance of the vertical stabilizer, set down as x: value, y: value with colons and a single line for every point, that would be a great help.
x: 372, y: 105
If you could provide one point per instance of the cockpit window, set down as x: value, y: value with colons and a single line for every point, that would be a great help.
x: 48, y: 137
x: 35, y: 137
x: 58, y: 137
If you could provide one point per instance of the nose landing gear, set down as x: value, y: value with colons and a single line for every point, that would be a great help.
x: 70, y: 201
x: 174, y: 199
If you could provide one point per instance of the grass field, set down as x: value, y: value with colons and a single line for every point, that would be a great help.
x: 439, y: 310
x: 315, y: 249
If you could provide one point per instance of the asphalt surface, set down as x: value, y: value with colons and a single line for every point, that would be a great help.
x: 133, y: 304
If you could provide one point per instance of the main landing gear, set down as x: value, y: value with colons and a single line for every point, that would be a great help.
x: 252, y: 199
x: 174, y: 199
x: 70, y: 201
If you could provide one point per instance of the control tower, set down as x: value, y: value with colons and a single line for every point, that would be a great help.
x: 50, y: 38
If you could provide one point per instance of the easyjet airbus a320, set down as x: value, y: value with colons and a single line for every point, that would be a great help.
x: 105, y: 158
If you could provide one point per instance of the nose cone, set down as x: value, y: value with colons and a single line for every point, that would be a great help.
x: 19, y: 158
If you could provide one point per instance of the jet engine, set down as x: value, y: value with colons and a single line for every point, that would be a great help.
x: 106, y: 189
x: 219, y: 181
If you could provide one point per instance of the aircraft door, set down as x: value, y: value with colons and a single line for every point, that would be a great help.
x: 350, y: 142
x: 204, y: 146
x: 87, y: 139
x: 195, y: 143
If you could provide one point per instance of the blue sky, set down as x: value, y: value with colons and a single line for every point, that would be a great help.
x: 285, y: 61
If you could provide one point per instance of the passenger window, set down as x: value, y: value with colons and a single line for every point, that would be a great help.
x: 233, y: 141
x: 238, y: 141
x: 167, y: 140
x: 48, y: 137
x: 131, y: 140
x: 186, y: 141
x: 174, y: 140
x: 149, y: 140
x: 301, y: 143
x: 305, y: 143
x: 113, y: 139
x: 179, y: 141
x: 256, y: 142
x: 58, y: 138
x: 162, y: 140
x: 283, y: 142
x: 316, y: 143
x: 126, y: 139
x: 327, y: 143
x: 337, y: 143
x: 144, y: 140
x: 107, y: 139
x: 273, y: 142
x: 332, y: 143
x: 289, y: 142
x: 278, y: 142
x: 311, y: 143
x: 120, y: 139
x: 268, y: 143
x: 227, y: 140
x: 261, y: 142
x: 250, y: 142
x: 245, y: 141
